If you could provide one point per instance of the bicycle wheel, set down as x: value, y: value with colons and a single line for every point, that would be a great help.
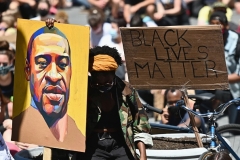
x: 232, y: 133
x: 205, y: 155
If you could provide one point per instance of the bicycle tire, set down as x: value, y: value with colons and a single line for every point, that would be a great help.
x: 231, y: 132
x: 205, y: 155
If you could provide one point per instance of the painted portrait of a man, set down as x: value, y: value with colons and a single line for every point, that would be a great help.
x: 48, y: 114
x: 48, y: 69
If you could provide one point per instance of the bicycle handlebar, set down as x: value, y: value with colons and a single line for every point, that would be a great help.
x: 149, y: 107
x: 181, y: 104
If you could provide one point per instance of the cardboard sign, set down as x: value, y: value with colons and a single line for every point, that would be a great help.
x: 50, y: 85
x: 175, y: 57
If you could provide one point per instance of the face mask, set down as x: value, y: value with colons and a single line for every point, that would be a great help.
x: 98, y: 30
x: 43, y: 12
x: 5, y: 70
x: 113, y: 33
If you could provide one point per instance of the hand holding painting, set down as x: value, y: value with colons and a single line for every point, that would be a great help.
x: 50, y: 22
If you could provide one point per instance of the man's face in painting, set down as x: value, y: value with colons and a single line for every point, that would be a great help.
x: 50, y: 73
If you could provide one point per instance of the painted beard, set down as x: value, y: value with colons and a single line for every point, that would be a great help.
x: 52, y: 103
x: 59, y: 109
x: 50, y: 109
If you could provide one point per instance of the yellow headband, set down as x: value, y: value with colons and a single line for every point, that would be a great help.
x: 102, y: 63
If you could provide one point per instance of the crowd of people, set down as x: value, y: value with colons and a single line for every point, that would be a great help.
x: 104, y: 19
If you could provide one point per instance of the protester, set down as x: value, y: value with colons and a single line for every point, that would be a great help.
x: 43, y: 10
x: 8, y: 7
x: 26, y: 8
x: 6, y: 70
x: 206, y: 11
x: 231, y: 42
x: 108, y: 7
x: 173, y: 115
x: 232, y: 53
x: 113, y: 94
x: 99, y: 28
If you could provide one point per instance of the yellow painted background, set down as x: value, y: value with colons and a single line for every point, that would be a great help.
x: 78, y: 37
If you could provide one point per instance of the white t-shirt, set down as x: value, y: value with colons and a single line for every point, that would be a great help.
x: 95, y: 38
x: 4, y: 151
x: 38, y: 18
x: 107, y: 40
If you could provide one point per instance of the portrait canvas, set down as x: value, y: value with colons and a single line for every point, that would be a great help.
x: 50, y: 86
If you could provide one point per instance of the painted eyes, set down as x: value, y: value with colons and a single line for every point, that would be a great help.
x: 63, y: 63
x: 43, y: 61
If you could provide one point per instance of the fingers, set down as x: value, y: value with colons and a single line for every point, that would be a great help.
x: 22, y: 145
x: 50, y: 22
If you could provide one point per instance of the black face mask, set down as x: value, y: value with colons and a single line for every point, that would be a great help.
x: 43, y: 12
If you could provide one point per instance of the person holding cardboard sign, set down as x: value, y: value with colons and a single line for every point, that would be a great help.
x: 116, y: 120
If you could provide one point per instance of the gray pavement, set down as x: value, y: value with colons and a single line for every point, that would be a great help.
x: 77, y: 15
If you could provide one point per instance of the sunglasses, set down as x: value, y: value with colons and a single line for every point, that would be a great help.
x: 103, y: 85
